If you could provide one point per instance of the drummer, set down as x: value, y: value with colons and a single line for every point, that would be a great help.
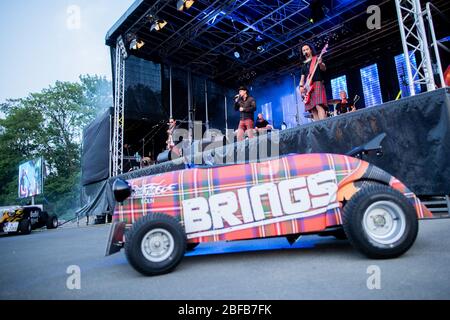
x: 344, y: 105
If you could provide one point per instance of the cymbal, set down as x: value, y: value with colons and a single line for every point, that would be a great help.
x: 334, y: 101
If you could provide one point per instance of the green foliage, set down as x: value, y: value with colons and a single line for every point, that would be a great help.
x: 49, y: 124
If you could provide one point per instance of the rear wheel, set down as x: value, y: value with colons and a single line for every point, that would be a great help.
x: 155, y: 244
x: 380, y: 222
x: 25, y: 226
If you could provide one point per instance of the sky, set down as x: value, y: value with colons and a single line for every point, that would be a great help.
x: 42, y: 41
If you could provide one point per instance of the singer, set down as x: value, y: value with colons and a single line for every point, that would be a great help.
x: 247, y: 107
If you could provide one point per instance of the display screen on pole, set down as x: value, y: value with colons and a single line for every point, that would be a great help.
x: 31, y: 178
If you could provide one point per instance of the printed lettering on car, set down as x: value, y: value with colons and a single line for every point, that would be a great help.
x: 243, y: 208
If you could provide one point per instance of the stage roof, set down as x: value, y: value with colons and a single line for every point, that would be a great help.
x: 267, y: 33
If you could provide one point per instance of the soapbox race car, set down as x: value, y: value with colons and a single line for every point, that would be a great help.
x: 24, y: 219
x: 159, y: 217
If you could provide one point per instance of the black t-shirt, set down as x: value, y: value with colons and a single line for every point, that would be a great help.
x: 344, y: 107
x: 261, y: 123
x: 318, y: 75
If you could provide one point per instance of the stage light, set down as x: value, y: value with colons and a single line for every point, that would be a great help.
x: 158, y: 24
x: 237, y: 54
x: 260, y: 49
x: 317, y: 11
x: 136, y: 44
x: 184, y: 4
x: 259, y: 38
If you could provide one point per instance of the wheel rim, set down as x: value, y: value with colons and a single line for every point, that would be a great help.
x: 384, y: 222
x: 55, y: 222
x: 157, y: 245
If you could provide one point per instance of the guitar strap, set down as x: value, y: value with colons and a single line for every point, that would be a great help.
x: 311, y: 68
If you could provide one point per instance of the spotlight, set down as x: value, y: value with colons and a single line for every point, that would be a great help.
x: 236, y: 54
x: 136, y: 44
x: 260, y: 49
x: 184, y: 4
x: 158, y: 25
x: 317, y: 11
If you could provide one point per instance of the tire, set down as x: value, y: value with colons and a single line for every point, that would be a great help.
x: 52, y: 221
x: 380, y: 222
x: 25, y: 226
x: 191, y: 246
x: 143, y: 242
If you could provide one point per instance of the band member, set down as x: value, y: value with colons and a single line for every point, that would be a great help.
x: 246, y: 106
x: 170, y: 143
x: 172, y: 124
x: 262, y: 124
x: 345, y: 105
x: 318, y: 100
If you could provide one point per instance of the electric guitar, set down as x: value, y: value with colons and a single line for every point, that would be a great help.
x: 308, y: 86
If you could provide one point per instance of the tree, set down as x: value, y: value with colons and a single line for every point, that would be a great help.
x: 50, y: 124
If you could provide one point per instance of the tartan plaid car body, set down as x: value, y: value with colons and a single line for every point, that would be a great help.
x: 290, y: 195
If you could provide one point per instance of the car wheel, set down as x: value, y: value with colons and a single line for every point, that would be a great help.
x: 191, y: 246
x: 52, y: 221
x: 380, y: 222
x: 25, y: 226
x: 155, y: 244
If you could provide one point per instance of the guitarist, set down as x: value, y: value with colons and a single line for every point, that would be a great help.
x: 317, y: 103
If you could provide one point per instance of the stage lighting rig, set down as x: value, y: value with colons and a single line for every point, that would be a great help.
x: 237, y: 53
x: 260, y: 49
x: 158, y: 24
x: 136, y: 44
x: 184, y: 4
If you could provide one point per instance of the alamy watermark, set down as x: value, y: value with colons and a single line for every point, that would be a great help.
x: 374, y: 20
x: 73, y: 21
x: 374, y: 280
x: 73, y: 281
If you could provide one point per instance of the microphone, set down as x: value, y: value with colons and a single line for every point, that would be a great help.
x: 236, y: 96
x: 155, y: 125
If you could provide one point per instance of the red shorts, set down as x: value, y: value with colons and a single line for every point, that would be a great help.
x: 246, y: 124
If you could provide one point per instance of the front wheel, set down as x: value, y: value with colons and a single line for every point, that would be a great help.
x: 380, y: 222
x: 52, y: 221
x: 155, y: 244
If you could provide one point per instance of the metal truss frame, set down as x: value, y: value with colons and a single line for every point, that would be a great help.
x: 414, y: 40
x: 119, y: 107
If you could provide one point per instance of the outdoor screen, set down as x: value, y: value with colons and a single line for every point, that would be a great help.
x: 30, y: 178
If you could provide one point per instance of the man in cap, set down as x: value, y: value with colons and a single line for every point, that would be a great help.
x: 246, y: 106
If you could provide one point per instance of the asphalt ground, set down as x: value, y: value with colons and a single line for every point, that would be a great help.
x: 41, y: 266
